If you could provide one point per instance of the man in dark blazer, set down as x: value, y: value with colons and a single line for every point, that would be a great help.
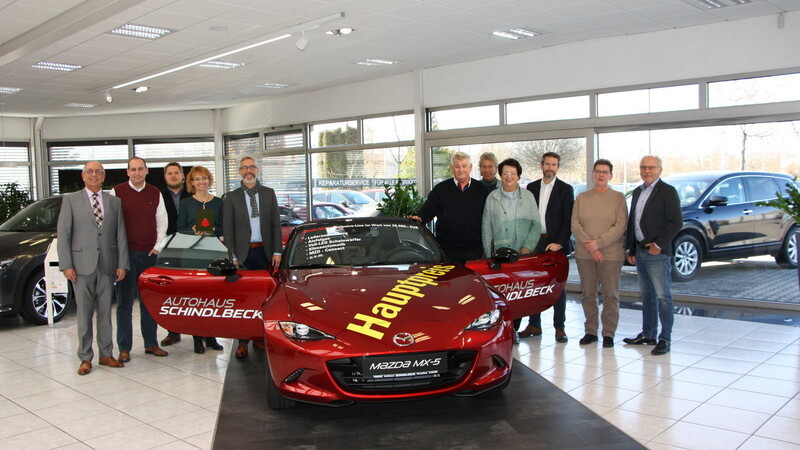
x: 554, y: 198
x: 93, y: 254
x: 252, y: 227
x: 654, y: 221
x: 173, y: 194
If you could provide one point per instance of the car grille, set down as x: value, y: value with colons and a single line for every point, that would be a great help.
x: 348, y: 374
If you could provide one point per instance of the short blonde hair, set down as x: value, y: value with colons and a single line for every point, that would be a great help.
x: 198, y: 171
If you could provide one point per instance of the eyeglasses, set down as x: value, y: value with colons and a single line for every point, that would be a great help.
x: 602, y: 172
x: 649, y: 167
x: 251, y: 167
x: 510, y: 173
x: 94, y: 171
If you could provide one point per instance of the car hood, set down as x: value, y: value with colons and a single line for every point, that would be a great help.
x: 29, y: 243
x: 375, y: 303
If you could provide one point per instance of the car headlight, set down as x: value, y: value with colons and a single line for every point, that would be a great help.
x: 6, y: 263
x: 485, y: 321
x: 303, y: 332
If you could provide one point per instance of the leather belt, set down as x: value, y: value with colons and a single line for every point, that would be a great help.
x: 256, y: 244
x: 545, y: 235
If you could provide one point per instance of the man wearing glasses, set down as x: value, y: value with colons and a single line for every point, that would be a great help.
x: 252, y: 228
x: 654, y: 221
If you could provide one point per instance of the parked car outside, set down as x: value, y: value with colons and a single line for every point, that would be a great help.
x: 360, y: 309
x: 721, y: 220
x: 354, y: 200
x: 289, y: 220
x: 24, y: 240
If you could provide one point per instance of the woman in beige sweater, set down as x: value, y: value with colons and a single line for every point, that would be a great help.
x: 599, y: 218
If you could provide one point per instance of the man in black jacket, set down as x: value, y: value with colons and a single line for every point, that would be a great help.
x: 457, y: 203
x: 173, y: 194
x: 554, y: 198
x: 654, y: 221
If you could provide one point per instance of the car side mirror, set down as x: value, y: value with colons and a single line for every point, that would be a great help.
x: 717, y: 200
x: 503, y: 255
x: 224, y: 267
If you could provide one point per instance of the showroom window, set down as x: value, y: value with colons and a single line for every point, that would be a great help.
x: 188, y: 152
x: 477, y: 116
x: 641, y: 101
x: 546, y: 110
x: 751, y: 91
x: 15, y: 166
x: 67, y: 159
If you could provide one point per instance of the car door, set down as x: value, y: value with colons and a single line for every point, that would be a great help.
x: 729, y: 225
x: 531, y: 284
x: 182, y: 296
x: 767, y: 221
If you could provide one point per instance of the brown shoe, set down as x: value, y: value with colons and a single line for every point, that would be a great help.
x: 156, y: 351
x: 86, y: 367
x: 561, y: 336
x: 110, y: 362
x: 172, y: 338
x: 124, y: 356
x: 259, y: 345
x: 531, y: 330
x: 241, y: 351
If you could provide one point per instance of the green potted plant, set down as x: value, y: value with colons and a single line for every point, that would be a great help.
x: 12, y: 199
x: 790, y: 204
x: 401, y: 200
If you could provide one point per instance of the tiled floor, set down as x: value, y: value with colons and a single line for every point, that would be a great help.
x: 726, y: 384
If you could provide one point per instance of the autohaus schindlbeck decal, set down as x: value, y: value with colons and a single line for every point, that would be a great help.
x: 206, y: 307
x: 393, y: 301
x: 524, y: 289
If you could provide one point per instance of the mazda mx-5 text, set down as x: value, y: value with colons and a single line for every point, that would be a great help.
x: 360, y: 309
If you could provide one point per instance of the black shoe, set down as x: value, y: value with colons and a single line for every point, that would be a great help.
x: 588, y: 339
x: 662, y: 348
x: 213, y: 344
x: 561, y: 336
x: 640, y: 339
x: 608, y: 341
x: 198, y: 345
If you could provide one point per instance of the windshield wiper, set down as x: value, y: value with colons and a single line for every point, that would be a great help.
x: 316, y: 266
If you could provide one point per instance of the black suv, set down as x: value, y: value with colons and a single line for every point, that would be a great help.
x: 721, y: 220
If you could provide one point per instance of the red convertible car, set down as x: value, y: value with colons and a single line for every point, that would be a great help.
x: 361, y: 309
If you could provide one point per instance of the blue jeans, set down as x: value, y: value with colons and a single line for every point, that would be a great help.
x: 655, y: 284
x: 127, y: 291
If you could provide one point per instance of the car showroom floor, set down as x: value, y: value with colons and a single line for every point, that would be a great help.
x: 726, y: 384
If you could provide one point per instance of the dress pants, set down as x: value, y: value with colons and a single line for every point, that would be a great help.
x: 127, y: 292
x: 560, y: 308
x: 256, y: 260
x: 93, y: 293
x: 607, y: 274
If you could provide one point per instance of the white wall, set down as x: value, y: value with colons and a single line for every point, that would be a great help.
x: 15, y: 129
x: 157, y: 124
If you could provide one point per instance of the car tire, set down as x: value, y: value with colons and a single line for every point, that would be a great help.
x: 34, y: 301
x: 787, y: 257
x: 687, y: 258
x: 505, y: 383
x: 275, y: 400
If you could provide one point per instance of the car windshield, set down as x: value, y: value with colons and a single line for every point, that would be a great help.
x: 362, y: 244
x: 188, y: 251
x: 38, y: 216
x: 689, y: 191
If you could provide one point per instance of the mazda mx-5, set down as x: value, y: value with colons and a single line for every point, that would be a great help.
x: 360, y: 309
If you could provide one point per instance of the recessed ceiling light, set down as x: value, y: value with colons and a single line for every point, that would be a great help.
x: 140, y: 31
x: 715, y: 4
x: 140, y: 89
x: 516, y: 33
x: 340, y: 31
x: 80, y: 105
x: 8, y: 90
x: 376, y: 62
x: 56, y: 66
x: 274, y: 85
x: 221, y: 65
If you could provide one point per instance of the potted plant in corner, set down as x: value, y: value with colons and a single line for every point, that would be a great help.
x: 790, y: 204
x: 12, y: 199
x: 401, y: 200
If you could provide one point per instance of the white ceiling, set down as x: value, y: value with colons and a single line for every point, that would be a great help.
x: 418, y: 33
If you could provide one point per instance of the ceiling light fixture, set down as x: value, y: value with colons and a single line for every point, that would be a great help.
x: 56, y: 66
x: 9, y: 90
x: 340, y: 31
x: 225, y: 65
x: 375, y: 62
x: 140, y: 89
x: 302, y: 43
x: 516, y: 33
x: 140, y: 31
x: 80, y: 105
x: 273, y: 85
x: 108, y: 97
x: 277, y: 36
x: 715, y: 4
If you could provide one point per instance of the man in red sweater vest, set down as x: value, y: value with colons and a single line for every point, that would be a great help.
x: 146, y: 225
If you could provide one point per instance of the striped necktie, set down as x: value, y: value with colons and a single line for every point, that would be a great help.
x: 98, y: 213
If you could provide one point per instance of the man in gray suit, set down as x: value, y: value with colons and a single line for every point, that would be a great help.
x: 93, y: 253
x: 252, y: 227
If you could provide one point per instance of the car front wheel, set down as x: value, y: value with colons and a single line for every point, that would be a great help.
x: 275, y: 400
x: 687, y: 259
x: 787, y: 258
x: 34, y: 301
